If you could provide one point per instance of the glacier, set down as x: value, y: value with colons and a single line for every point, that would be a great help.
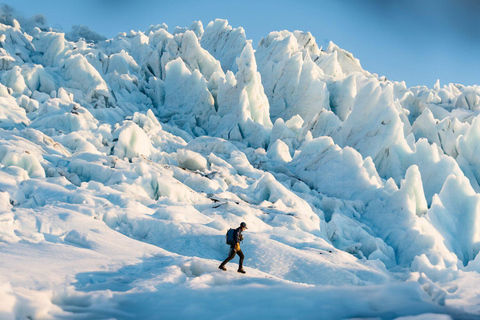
x: 124, y: 161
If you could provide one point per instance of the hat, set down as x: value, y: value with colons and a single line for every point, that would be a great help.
x: 244, y: 225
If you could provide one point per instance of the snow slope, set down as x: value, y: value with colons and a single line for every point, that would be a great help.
x: 124, y: 161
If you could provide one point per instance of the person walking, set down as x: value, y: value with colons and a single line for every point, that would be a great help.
x: 235, y: 248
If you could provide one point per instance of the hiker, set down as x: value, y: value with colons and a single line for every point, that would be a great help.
x: 235, y: 248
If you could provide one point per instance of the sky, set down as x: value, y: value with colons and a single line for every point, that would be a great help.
x: 416, y: 41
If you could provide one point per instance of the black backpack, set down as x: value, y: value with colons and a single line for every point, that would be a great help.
x: 229, y: 236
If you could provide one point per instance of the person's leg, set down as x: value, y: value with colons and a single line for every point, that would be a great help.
x: 231, y: 255
x: 240, y: 263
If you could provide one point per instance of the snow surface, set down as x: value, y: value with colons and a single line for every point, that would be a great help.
x: 124, y: 161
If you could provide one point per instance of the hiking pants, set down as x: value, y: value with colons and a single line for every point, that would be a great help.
x: 231, y: 255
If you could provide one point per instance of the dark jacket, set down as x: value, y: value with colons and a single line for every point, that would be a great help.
x: 237, y: 236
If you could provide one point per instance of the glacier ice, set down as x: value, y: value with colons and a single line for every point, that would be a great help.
x: 133, y: 155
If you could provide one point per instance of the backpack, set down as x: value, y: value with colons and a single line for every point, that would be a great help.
x: 229, y: 236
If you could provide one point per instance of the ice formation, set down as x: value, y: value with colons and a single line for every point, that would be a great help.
x: 124, y: 161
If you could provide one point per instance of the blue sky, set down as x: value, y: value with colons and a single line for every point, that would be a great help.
x: 416, y: 41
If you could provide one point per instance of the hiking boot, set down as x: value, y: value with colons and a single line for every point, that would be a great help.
x: 222, y: 267
x: 241, y: 270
